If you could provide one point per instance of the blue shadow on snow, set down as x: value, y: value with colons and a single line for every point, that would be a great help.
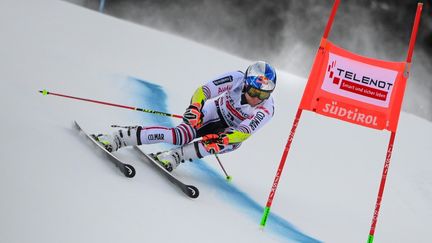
x: 152, y: 96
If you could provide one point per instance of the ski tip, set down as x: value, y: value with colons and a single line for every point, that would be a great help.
x: 129, y: 171
x: 192, y: 192
x: 76, y: 124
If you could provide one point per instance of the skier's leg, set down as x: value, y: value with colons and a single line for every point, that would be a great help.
x: 119, y: 139
x: 180, y: 135
x: 212, y: 123
x: 172, y: 158
x: 183, y: 133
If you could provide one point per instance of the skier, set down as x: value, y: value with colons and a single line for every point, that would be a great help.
x: 224, y: 112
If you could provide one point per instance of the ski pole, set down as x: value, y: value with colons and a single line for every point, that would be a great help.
x: 45, y: 92
x: 229, y: 178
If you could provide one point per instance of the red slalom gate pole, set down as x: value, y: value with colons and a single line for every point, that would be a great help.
x: 280, y: 169
x: 414, y: 32
x: 381, y: 188
x: 293, y: 129
x: 331, y: 19
x: 45, y: 92
x: 393, y: 134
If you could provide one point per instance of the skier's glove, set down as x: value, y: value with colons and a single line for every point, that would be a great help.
x: 193, y: 115
x: 214, y: 143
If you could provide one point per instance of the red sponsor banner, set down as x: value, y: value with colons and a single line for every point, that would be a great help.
x: 358, y: 84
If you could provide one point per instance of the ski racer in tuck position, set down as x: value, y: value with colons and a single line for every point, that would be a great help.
x: 224, y: 112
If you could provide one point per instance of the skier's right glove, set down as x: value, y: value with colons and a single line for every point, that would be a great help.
x: 193, y: 115
x: 214, y: 143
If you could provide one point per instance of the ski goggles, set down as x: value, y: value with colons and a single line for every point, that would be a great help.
x: 260, y: 94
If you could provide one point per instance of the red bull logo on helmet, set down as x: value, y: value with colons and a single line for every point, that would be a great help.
x: 262, y: 79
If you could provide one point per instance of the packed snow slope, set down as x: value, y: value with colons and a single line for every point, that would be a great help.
x: 55, y: 187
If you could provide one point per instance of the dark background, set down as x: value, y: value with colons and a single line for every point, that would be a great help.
x: 287, y: 33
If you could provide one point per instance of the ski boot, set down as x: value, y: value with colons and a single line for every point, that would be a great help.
x: 119, y: 139
x: 172, y: 158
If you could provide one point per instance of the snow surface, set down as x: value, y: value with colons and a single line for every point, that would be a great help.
x: 54, y: 187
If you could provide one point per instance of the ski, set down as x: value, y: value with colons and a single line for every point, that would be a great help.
x: 189, y: 190
x: 127, y: 169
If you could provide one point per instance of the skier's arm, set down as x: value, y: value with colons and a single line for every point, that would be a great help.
x: 211, y: 89
x: 244, y: 131
x: 193, y: 115
x: 231, y: 137
x: 249, y: 126
x: 199, y: 97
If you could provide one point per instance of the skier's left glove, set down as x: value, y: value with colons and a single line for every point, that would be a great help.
x: 214, y: 143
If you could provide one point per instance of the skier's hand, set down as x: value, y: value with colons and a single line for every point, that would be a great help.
x: 214, y: 143
x: 220, y: 138
x: 193, y: 115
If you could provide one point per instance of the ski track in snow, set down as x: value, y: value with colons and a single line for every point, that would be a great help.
x: 147, y: 93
